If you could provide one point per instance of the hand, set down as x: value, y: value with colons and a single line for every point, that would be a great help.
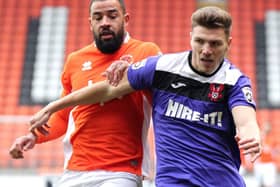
x: 115, y: 71
x: 39, y: 121
x: 21, y: 144
x: 250, y: 146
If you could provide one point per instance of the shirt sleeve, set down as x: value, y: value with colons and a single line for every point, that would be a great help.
x: 140, y: 74
x: 241, y: 94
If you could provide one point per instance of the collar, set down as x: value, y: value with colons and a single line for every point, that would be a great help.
x: 200, y: 73
x: 126, y: 38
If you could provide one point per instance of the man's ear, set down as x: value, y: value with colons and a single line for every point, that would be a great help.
x: 126, y: 19
x: 191, y: 38
x: 90, y: 23
x: 229, y: 43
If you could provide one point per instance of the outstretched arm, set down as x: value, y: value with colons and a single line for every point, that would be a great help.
x: 95, y: 93
x: 248, y: 133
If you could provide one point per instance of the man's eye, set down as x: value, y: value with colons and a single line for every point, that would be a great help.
x: 199, y: 41
x: 97, y: 18
x: 113, y: 16
x: 215, y: 44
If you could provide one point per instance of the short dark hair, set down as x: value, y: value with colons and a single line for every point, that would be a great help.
x: 212, y: 17
x: 120, y: 1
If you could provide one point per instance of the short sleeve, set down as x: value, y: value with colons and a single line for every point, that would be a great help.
x: 241, y: 94
x: 140, y: 74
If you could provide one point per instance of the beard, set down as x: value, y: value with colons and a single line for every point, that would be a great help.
x: 109, y: 46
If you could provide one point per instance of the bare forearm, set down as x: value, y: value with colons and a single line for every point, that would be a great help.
x: 246, y: 123
x: 98, y: 92
x: 87, y: 95
x: 248, y: 133
x: 250, y: 130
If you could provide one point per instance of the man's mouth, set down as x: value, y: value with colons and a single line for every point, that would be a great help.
x: 205, y: 60
x: 106, y: 35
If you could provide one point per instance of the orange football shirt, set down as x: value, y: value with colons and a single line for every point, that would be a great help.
x: 105, y: 136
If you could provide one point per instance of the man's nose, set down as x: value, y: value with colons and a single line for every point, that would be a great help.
x: 206, y: 49
x: 105, y: 21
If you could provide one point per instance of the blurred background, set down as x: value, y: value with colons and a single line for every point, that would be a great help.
x: 36, y: 36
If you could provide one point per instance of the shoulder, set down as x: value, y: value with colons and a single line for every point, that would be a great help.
x: 173, y: 61
x: 144, y: 45
x: 178, y: 56
x: 75, y: 58
x: 82, y: 51
x: 81, y: 54
x: 230, y: 73
x: 149, y: 45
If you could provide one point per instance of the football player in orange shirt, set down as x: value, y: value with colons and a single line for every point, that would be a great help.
x: 104, y: 144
